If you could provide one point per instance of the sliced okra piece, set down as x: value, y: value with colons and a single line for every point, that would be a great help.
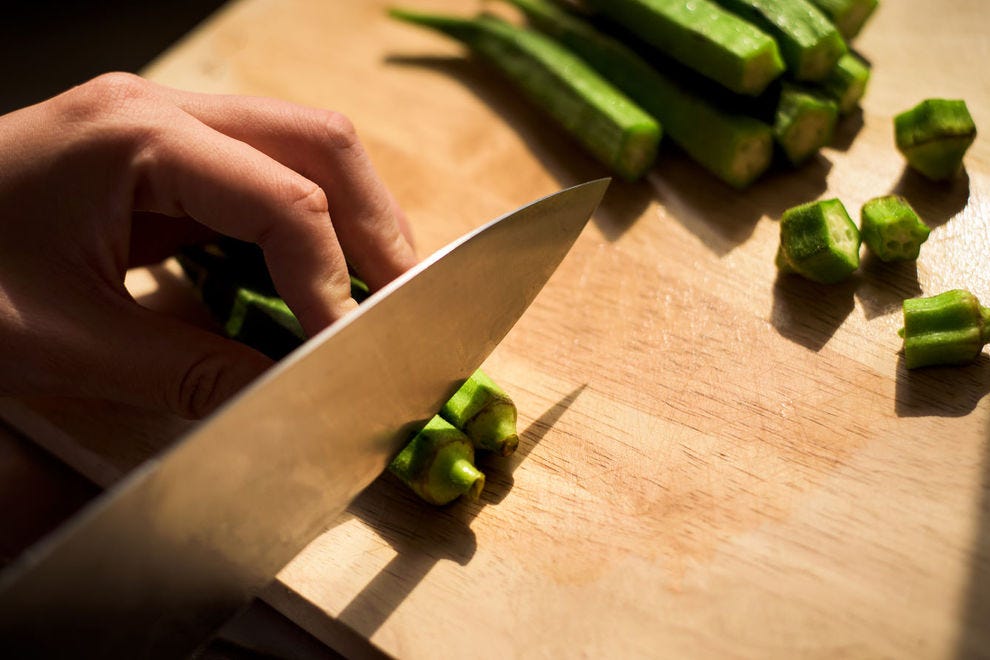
x: 819, y: 241
x: 934, y: 136
x: 948, y: 329
x: 891, y: 228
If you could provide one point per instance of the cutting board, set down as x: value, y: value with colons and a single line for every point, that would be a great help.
x: 714, y: 461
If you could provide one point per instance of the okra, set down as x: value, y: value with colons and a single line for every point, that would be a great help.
x: 735, y: 147
x: 438, y: 464
x: 891, y: 229
x: 849, y: 16
x: 704, y: 37
x: 847, y: 82
x: 934, y: 136
x: 804, y: 122
x: 948, y: 329
x: 259, y: 318
x: 613, y: 128
x: 485, y: 413
x: 819, y: 241
x: 809, y: 42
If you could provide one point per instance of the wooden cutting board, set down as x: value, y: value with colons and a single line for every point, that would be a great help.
x: 714, y: 461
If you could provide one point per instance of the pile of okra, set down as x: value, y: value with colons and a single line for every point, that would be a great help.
x: 737, y: 85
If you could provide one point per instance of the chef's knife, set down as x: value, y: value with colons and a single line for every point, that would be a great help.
x: 157, y: 563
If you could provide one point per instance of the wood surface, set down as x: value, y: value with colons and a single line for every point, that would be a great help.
x: 714, y: 461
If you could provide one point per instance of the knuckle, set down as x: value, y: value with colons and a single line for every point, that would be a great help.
x: 199, y: 388
x: 308, y: 198
x: 337, y: 129
x: 107, y: 93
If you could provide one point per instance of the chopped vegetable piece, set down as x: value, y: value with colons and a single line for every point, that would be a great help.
x: 703, y: 36
x: 735, y: 147
x: 948, y: 329
x: 847, y: 82
x: 934, y: 136
x: 819, y: 241
x: 485, y: 413
x: 891, y: 229
x: 601, y: 117
x: 809, y: 42
x: 803, y: 123
x: 438, y: 464
x: 848, y: 15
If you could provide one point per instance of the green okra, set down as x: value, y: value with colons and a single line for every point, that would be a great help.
x: 704, y: 37
x: 735, y: 147
x: 485, y: 413
x: 948, y: 329
x: 847, y: 82
x: 934, y: 136
x: 809, y: 42
x: 819, y: 241
x: 232, y: 279
x: 891, y: 229
x: 804, y: 122
x: 849, y: 16
x: 609, y: 125
x: 438, y: 464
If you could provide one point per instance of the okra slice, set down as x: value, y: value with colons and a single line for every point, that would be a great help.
x: 613, y: 128
x: 734, y: 147
x: 819, y: 241
x: 803, y: 123
x: 948, y: 329
x: 809, y: 42
x: 485, y: 413
x: 847, y: 82
x: 704, y: 37
x: 438, y: 464
x: 934, y: 136
x: 849, y: 16
x: 891, y: 229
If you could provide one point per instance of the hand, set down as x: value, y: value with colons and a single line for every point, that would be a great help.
x: 120, y: 171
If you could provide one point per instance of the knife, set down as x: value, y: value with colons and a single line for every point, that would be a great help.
x: 157, y: 563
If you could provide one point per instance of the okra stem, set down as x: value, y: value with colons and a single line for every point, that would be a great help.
x: 603, y: 119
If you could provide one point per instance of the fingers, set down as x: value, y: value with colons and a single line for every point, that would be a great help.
x: 324, y: 147
x: 97, y: 344
x: 232, y: 188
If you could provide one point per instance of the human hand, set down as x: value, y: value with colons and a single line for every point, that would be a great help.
x: 120, y: 171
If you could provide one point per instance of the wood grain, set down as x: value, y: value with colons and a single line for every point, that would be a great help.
x: 714, y: 461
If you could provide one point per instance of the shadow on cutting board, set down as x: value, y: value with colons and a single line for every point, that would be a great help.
x: 423, y: 535
x: 559, y: 153
x: 936, y: 202
x: 809, y: 313
x: 941, y: 391
x: 974, y: 633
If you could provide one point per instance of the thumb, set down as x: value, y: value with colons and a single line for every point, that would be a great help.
x: 160, y: 362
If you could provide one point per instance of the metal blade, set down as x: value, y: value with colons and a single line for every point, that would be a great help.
x: 161, y: 560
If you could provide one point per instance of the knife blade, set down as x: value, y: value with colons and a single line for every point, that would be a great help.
x: 158, y: 562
